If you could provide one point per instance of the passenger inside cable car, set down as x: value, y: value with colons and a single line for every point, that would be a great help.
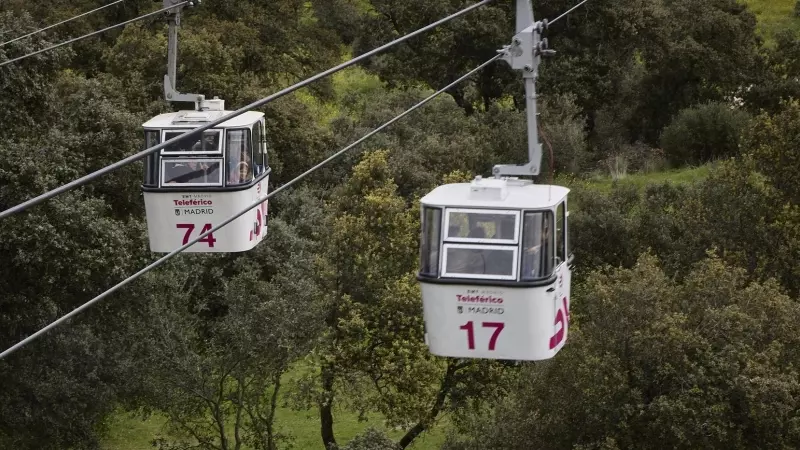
x: 209, y: 143
x: 466, y: 260
x: 204, y: 162
x: 471, y: 244
x: 537, y: 242
x: 240, y: 162
x: 191, y: 171
x: 488, y: 244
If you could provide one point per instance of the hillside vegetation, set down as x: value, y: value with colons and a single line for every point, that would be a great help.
x: 774, y: 15
x: 673, y: 123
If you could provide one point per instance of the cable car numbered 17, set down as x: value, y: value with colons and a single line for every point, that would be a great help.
x: 197, y: 183
x: 495, y: 269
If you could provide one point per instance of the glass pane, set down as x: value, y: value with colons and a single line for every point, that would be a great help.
x: 567, y: 235
x: 240, y: 161
x: 429, y: 248
x: 560, y: 233
x: 264, y: 148
x: 193, y: 171
x: 151, y: 138
x: 208, y: 144
x: 482, y: 225
x: 258, y: 156
x: 481, y: 261
x: 537, y: 245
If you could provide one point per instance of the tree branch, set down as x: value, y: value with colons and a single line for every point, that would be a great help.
x: 273, y: 406
x: 438, y: 404
x: 237, y: 426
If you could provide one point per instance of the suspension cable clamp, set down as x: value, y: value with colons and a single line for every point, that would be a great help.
x: 527, y: 47
x: 542, y: 49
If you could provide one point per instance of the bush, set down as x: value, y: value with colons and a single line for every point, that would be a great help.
x: 703, y: 133
x: 561, y: 126
x: 371, y: 439
x: 772, y: 141
x: 629, y: 158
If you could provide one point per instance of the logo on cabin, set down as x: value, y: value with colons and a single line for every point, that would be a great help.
x: 193, y: 202
x: 177, y: 212
x: 479, y: 299
x: 562, y: 322
x: 196, y: 196
x: 460, y: 309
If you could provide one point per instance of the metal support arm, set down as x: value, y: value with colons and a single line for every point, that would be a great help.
x: 170, y: 79
x: 525, y: 54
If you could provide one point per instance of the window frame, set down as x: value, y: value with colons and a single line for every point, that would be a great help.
x: 167, y: 153
x: 152, y: 174
x: 446, y: 226
x: 567, y: 248
x: 248, y: 133
x: 258, y: 161
x: 164, y: 160
x: 425, y: 254
x: 263, y: 144
x: 514, y: 265
x: 560, y: 235
x: 552, y: 216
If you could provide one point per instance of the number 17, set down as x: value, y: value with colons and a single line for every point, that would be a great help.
x: 498, y: 327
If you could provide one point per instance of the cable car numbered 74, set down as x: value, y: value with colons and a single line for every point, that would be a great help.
x: 495, y: 269
x: 197, y: 183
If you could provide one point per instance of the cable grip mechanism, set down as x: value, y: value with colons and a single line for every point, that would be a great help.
x: 525, y: 53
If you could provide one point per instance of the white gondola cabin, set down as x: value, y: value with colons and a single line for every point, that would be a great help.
x: 197, y: 183
x: 495, y: 269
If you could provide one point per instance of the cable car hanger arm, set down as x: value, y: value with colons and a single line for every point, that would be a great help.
x: 525, y: 54
x: 170, y: 79
x: 196, y: 131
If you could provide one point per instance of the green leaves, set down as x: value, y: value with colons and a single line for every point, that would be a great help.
x: 656, y: 362
x: 771, y: 141
x: 704, y: 133
x: 375, y: 341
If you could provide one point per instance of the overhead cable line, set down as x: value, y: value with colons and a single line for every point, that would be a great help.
x: 62, y: 22
x: 261, y: 200
x: 92, y: 33
x: 196, y: 131
x: 567, y: 12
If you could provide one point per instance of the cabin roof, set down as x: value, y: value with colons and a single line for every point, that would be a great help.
x: 496, y: 194
x: 194, y: 119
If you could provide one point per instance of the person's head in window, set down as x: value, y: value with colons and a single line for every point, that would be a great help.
x: 210, y: 141
x: 245, y: 167
x: 454, y: 231
x: 240, y: 169
x: 477, y: 232
x: 207, y: 143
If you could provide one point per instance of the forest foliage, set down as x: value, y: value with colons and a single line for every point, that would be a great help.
x: 685, y: 297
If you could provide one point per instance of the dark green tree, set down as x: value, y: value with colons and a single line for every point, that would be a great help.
x: 709, y: 362
x: 700, y: 51
x: 373, y: 347
x: 24, y: 84
x: 212, y: 355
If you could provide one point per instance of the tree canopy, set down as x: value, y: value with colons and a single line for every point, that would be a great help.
x: 682, y: 329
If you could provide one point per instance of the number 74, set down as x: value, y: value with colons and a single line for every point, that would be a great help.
x: 498, y: 327
x: 190, y: 228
